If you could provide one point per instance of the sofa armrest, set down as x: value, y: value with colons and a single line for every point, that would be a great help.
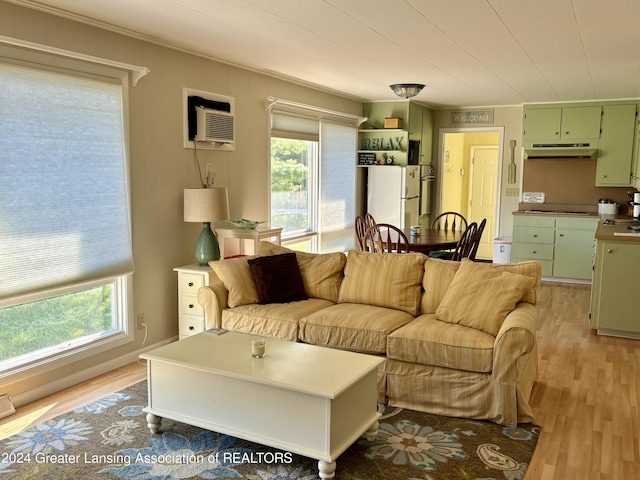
x: 515, y: 343
x: 213, y: 299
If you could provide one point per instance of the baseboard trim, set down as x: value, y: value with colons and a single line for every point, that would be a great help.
x: 42, y: 391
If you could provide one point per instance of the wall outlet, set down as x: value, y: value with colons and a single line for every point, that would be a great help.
x: 140, y: 321
x: 512, y: 192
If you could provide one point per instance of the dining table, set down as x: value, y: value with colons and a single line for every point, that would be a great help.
x: 431, y: 239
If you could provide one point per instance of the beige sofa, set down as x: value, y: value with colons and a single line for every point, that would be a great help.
x: 459, y: 337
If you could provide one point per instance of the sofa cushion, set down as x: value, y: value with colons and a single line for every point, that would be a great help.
x: 279, y: 320
x: 385, y: 280
x: 321, y: 272
x: 429, y: 341
x: 438, y: 275
x: 480, y: 296
x: 278, y: 278
x: 237, y: 278
x: 352, y: 326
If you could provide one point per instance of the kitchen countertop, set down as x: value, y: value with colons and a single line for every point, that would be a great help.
x: 618, y: 231
x: 533, y: 210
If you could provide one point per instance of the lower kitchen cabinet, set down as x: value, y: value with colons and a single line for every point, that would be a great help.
x: 563, y: 245
x: 615, y: 302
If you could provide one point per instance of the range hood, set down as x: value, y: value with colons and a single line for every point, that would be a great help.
x: 561, y: 150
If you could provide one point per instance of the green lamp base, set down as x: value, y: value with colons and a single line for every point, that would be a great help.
x: 207, y: 247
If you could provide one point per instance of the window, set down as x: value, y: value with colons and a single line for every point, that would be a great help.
x: 313, y: 182
x: 65, y: 234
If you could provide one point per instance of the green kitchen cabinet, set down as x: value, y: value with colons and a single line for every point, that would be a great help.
x: 575, y: 240
x: 562, y: 244
x: 615, y: 302
x: 615, y: 162
x: 561, y: 123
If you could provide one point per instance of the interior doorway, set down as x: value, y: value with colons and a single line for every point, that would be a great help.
x: 469, y: 178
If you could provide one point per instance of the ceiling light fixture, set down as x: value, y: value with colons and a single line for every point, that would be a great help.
x: 406, y: 90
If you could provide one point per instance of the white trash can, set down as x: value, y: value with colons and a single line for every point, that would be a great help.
x: 502, y: 250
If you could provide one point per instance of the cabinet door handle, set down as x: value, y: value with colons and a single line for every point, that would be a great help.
x: 566, y: 133
x: 604, y: 176
x: 534, y: 252
x: 562, y: 234
x: 610, y: 250
x: 191, y: 284
x: 191, y: 327
x: 191, y: 305
x: 535, y: 235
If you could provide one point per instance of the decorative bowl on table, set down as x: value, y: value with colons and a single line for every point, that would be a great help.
x: 245, y: 224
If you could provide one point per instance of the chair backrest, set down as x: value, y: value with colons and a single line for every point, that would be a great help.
x: 369, y: 220
x: 477, y: 239
x: 385, y: 238
x: 360, y: 227
x: 452, y: 221
x: 465, y: 244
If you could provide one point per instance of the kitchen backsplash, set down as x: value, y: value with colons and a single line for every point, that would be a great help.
x: 569, y: 181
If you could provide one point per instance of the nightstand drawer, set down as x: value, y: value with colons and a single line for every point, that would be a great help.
x: 190, y: 325
x: 189, y: 305
x: 190, y: 283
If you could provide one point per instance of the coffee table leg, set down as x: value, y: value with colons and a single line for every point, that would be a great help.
x: 326, y: 470
x: 153, y: 422
x: 372, y: 432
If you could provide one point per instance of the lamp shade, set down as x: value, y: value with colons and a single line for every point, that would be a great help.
x: 406, y: 90
x: 206, y: 204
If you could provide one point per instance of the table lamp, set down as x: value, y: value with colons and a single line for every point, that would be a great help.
x: 206, y: 205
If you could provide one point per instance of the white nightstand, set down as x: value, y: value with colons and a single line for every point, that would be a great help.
x: 256, y: 234
x: 190, y: 312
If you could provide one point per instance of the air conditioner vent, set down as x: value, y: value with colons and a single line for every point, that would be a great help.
x: 214, y: 126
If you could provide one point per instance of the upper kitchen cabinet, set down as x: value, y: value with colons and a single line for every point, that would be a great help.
x: 568, y: 123
x: 615, y: 162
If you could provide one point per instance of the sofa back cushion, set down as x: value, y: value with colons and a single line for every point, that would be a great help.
x: 237, y: 278
x: 438, y: 275
x: 481, y: 297
x: 389, y: 280
x: 321, y: 272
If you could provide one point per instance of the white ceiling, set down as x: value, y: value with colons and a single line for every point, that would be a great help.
x: 468, y: 52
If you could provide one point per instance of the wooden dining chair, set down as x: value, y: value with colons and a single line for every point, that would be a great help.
x: 465, y: 244
x: 477, y: 239
x: 361, y: 228
x: 385, y: 238
x: 452, y: 221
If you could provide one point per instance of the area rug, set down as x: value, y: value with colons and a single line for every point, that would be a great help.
x: 109, y: 439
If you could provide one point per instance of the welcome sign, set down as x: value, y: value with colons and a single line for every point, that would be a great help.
x: 472, y: 117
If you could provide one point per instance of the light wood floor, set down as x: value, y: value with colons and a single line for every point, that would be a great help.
x: 586, y: 398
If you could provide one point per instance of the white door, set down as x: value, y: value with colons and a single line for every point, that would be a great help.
x: 483, y: 195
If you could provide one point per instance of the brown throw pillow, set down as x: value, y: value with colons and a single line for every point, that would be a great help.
x: 278, y: 278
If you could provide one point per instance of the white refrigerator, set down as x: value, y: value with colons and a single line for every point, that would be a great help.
x: 393, y: 194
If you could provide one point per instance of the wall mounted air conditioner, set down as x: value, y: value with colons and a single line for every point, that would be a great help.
x: 215, y: 126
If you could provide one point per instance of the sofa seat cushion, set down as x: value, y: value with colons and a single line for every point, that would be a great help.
x: 429, y: 341
x: 279, y: 320
x: 352, y: 326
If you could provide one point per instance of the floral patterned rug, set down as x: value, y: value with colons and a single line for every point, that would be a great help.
x: 109, y: 439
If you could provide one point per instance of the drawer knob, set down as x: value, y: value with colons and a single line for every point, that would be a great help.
x: 609, y: 250
x: 191, y: 327
x: 191, y: 305
x: 562, y: 234
x: 535, y: 235
x: 191, y: 284
x: 534, y: 252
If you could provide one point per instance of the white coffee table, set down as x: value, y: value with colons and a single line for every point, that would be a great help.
x: 309, y: 400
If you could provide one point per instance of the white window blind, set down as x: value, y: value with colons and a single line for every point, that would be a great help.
x: 337, y: 187
x: 64, y: 198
